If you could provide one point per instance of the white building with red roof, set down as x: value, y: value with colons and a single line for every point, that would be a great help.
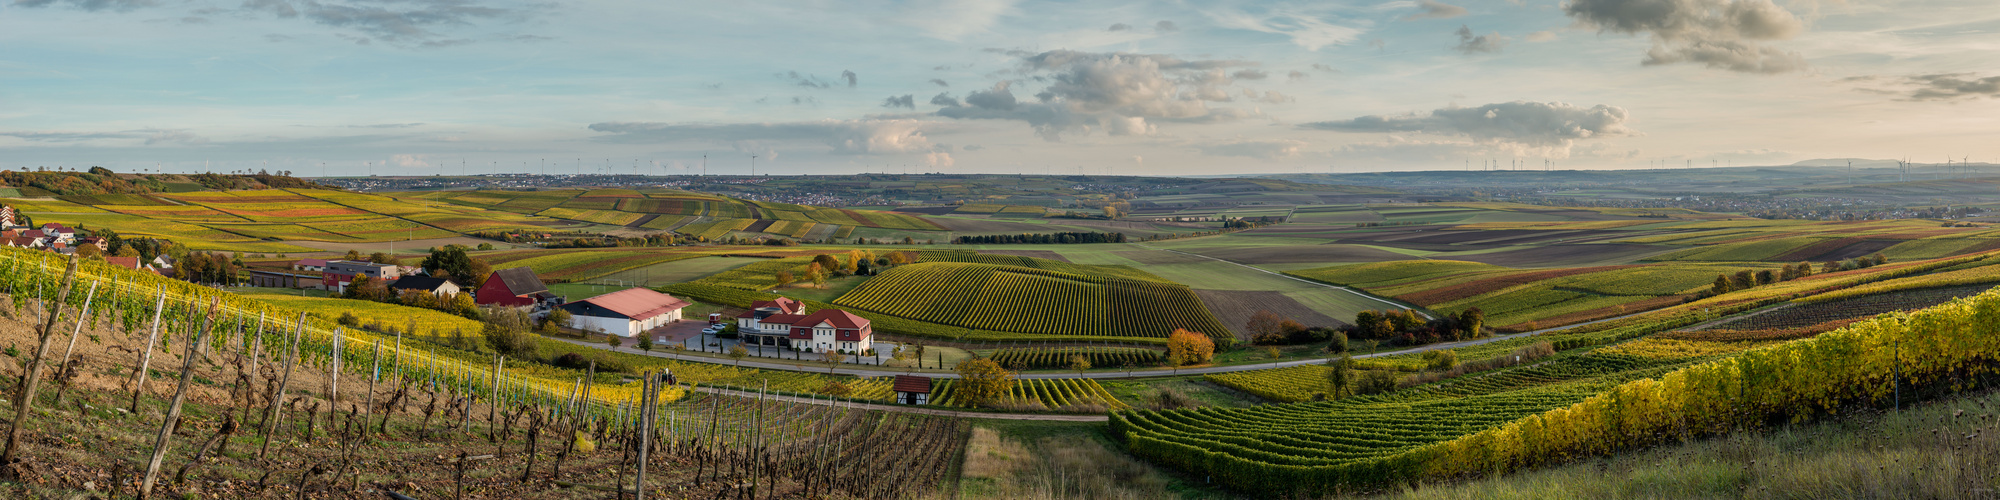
x: 779, y: 323
x: 625, y: 313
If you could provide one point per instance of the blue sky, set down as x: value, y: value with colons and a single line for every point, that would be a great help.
x: 425, y: 86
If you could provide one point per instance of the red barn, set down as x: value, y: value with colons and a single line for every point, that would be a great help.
x: 512, y: 287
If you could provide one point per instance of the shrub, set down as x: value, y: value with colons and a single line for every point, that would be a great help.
x: 1375, y: 382
x: 1189, y: 348
x: 1442, y: 359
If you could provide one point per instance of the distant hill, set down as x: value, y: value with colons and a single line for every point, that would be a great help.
x: 1842, y: 162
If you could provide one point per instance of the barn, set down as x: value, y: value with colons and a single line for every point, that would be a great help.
x: 625, y: 313
x: 912, y: 390
x: 512, y: 287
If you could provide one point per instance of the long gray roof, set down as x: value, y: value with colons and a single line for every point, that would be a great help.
x: 521, y: 281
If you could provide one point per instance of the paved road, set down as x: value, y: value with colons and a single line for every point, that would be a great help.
x: 914, y: 409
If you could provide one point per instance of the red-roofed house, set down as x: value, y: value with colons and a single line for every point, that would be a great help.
x: 625, y: 313
x: 822, y: 331
x: 124, y: 262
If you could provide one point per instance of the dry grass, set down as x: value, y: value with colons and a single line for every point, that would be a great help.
x: 1948, y: 449
x: 1056, y: 467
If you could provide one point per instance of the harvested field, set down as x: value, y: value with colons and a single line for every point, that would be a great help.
x: 1234, y: 308
x: 1158, y: 257
x: 986, y: 226
x: 1039, y: 254
x: 1488, y: 285
x: 1456, y: 237
x: 1556, y: 255
x: 926, y: 210
x: 760, y: 225
x: 1854, y: 250
x: 1303, y: 253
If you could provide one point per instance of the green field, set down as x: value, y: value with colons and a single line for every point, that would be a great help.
x: 1029, y: 300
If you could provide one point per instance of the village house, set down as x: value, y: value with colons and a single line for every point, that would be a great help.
x: 828, y: 330
x: 440, y: 287
x: 625, y: 313
x: 514, y: 287
x: 340, y: 273
x: 96, y: 241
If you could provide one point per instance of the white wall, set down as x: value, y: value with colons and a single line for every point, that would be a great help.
x: 614, y: 326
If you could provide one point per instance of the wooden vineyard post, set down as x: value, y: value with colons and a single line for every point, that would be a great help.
x: 493, y: 401
x: 63, y: 370
x: 174, y: 408
x: 649, y: 399
x: 333, y: 377
x: 32, y: 377
x: 146, y: 357
x: 368, y: 408
x: 271, y: 415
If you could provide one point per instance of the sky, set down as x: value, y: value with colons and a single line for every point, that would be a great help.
x: 421, y: 87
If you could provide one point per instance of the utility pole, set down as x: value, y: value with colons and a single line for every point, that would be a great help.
x: 753, y: 165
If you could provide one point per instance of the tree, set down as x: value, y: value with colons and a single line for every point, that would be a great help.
x: 1079, y: 363
x: 1721, y: 286
x: 1340, y: 377
x: 738, y: 352
x: 981, y: 381
x: 89, y: 251
x: 1744, y: 280
x: 506, y: 331
x: 1339, y: 343
x: 351, y: 255
x: 1375, y: 382
x: 1880, y: 259
x: 1263, y: 327
x: 826, y: 262
x: 557, y: 317
x: 1473, y: 321
x: 462, y: 305
x: 615, y: 341
x: 451, y: 262
x: 832, y: 358
x: 1185, y: 347
x: 645, y: 343
x: 785, y: 278
x: 817, y: 274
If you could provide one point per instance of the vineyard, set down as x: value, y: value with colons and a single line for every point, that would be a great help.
x: 715, y: 229
x: 1813, y: 312
x: 1037, y: 358
x: 1578, y: 403
x: 1062, y: 394
x: 1289, y: 385
x: 1028, y: 300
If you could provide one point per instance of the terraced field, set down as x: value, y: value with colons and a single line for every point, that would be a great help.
x: 1029, y: 300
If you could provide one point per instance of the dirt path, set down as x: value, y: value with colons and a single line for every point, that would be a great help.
x: 914, y: 409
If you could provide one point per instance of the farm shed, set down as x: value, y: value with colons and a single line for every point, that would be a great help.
x: 512, y: 287
x: 912, y: 390
x: 625, y: 313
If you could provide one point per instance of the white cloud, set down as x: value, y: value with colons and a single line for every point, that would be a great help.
x: 1542, y: 128
x: 1721, y: 34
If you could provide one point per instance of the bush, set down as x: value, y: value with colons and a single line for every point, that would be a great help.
x: 348, y: 319
x: 1442, y: 359
x: 1339, y: 342
x: 1375, y: 382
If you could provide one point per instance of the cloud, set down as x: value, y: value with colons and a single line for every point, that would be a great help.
x: 1268, y: 96
x: 1305, y: 29
x: 90, y: 5
x: 1547, y: 128
x: 1138, y: 159
x: 938, y: 159
x: 1540, y: 36
x: 149, y: 137
x: 1720, y: 34
x: 1932, y: 87
x: 903, y: 101
x: 945, y: 99
x: 1435, y: 10
x: 851, y: 78
x: 1249, y: 74
x: 411, y: 161
x: 807, y: 81
x: 940, y: 82
x: 1166, y: 27
x: 1120, y: 27
x: 973, y: 147
x: 1266, y: 150
x: 1295, y: 76
x: 1483, y: 44
x: 804, y: 100
x: 1323, y: 67
x: 404, y: 24
x: 1118, y: 93
x: 867, y: 136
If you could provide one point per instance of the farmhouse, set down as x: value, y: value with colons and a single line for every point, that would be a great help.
x: 625, y: 313
x: 340, y: 273
x: 309, y: 265
x: 823, y: 331
x: 440, y: 287
x: 912, y: 390
x: 514, y: 287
